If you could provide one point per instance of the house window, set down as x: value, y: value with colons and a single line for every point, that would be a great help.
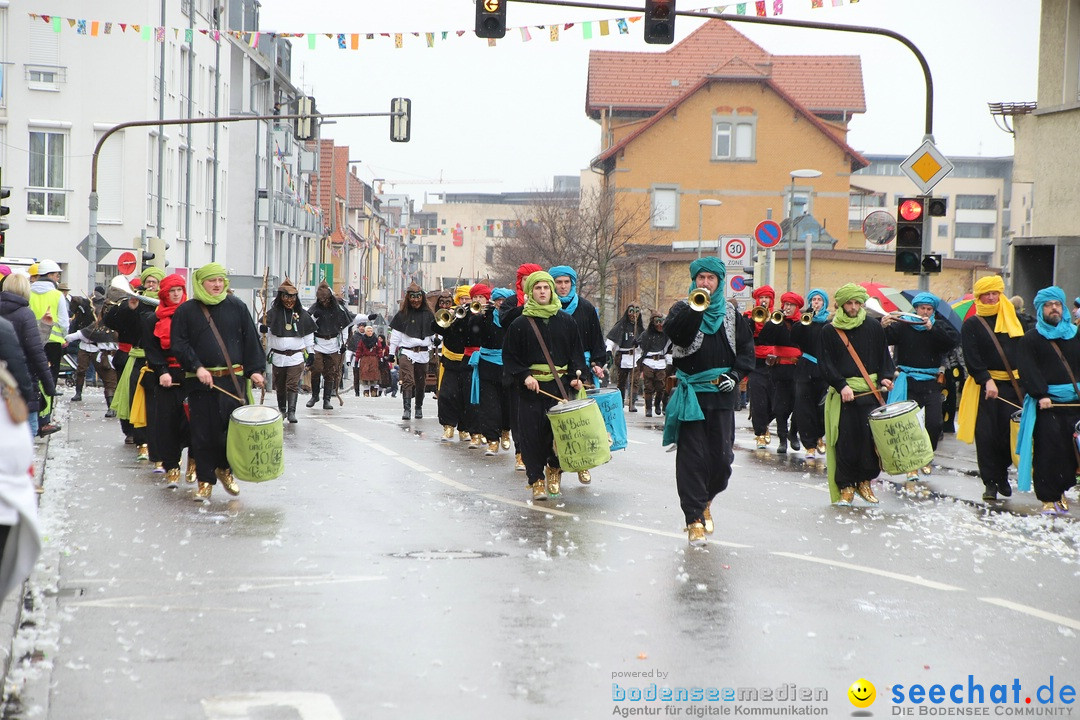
x: 665, y: 208
x: 976, y: 202
x: 43, y: 71
x: 46, y: 196
x: 974, y: 230
x: 943, y: 230
x: 734, y: 138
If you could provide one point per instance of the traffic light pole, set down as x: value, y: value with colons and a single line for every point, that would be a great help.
x: 91, y: 241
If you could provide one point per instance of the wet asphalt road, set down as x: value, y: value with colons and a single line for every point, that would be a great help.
x: 388, y: 575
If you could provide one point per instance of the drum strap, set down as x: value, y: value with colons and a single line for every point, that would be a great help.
x: 858, y: 364
x: 221, y: 344
x: 1005, y: 360
x: 547, y: 356
x: 1076, y: 388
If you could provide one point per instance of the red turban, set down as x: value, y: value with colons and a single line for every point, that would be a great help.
x: 480, y: 289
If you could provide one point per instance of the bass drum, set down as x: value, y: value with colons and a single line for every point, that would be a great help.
x: 581, y: 439
x: 901, y: 440
x: 254, y: 446
x: 610, y: 402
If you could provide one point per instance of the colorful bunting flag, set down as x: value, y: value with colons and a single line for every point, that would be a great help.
x: 624, y: 29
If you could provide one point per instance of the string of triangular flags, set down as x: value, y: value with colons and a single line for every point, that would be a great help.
x: 351, y: 41
x: 493, y: 226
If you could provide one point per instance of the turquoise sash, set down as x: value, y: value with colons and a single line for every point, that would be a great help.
x: 1025, y: 437
x: 683, y: 405
x: 491, y: 355
x: 899, y: 388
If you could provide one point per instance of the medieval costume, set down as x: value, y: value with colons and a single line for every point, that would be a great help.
x: 655, y: 350
x: 411, y: 338
x: 511, y: 310
x: 291, y: 338
x: 331, y: 319
x: 810, y: 382
x: 759, y: 384
x: 620, y: 343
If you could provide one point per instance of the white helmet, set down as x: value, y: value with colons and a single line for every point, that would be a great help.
x: 47, y: 266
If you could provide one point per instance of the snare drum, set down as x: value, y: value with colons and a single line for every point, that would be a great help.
x: 254, y: 443
x: 610, y: 402
x: 581, y: 439
x: 901, y: 440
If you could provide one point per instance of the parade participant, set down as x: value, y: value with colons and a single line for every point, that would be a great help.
x: 810, y: 383
x: 217, y: 345
x: 484, y: 386
x: 655, y: 357
x: 331, y: 318
x: 510, y: 311
x: 991, y: 342
x: 51, y: 308
x: 367, y: 362
x: 97, y: 343
x: 712, y: 351
x: 525, y: 360
x: 383, y: 351
x: 620, y: 343
x: 165, y: 407
x: 855, y: 359
x: 759, y: 384
x: 920, y: 355
x: 412, y: 335
x: 126, y: 318
x: 781, y: 364
x: 459, y: 341
x: 15, y: 307
x: 499, y: 297
x: 586, y: 317
x: 290, y: 333
x: 1049, y: 360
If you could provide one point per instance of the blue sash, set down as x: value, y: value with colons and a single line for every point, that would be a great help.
x: 493, y: 356
x: 1025, y: 438
x: 899, y: 388
x: 683, y: 404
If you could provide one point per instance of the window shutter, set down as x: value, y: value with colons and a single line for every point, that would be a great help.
x: 111, y: 179
x: 44, y: 45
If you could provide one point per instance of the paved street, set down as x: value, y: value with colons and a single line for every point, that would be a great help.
x: 387, y: 575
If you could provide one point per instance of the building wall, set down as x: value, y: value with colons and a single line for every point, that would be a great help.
x: 677, y: 152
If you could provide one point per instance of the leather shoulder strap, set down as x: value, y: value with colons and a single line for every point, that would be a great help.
x: 221, y: 344
x: 1068, y: 369
x: 858, y: 364
x: 547, y: 356
x: 1004, y: 360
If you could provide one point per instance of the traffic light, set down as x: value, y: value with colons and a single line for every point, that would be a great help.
x: 660, y: 22
x: 400, y: 119
x: 4, y: 210
x: 156, y: 248
x: 306, y: 124
x: 748, y: 275
x: 931, y: 263
x: 937, y: 207
x: 490, y: 18
x: 143, y: 256
x: 909, y: 234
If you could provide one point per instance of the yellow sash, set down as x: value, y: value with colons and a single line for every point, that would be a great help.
x: 969, y: 404
x: 137, y: 417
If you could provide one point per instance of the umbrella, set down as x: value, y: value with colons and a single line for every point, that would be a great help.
x: 964, y: 308
x: 891, y: 299
x: 943, y: 308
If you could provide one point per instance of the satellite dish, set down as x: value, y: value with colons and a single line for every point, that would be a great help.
x: 879, y: 227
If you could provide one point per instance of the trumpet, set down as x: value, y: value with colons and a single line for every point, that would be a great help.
x: 120, y: 288
x: 699, y: 299
x: 759, y: 314
x: 476, y: 307
x: 806, y: 318
x: 461, y: 311
x: 444, y: 318
x: 777, y: 317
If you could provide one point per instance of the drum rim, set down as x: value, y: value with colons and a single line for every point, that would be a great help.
x: 246, y: 409
x: 885, y: 413
x: 571, y: 405
x: 602, y: 391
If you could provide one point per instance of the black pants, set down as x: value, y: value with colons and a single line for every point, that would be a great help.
x: 782, y: 400
x: 513, y: 396
x: 992, y: 450
x: 856, y: 460
x: 703, y: 461
x: 210, y: 411
x: 624, y: 382
x: 534, y: 434
x: 954, y: 380
x: 927, y: 393
x: 809, y: 411
x: 487, y: 415
x: 166, y: 414
x: 453, y: 393
x: 760, y: 388
x: 1054, y: 461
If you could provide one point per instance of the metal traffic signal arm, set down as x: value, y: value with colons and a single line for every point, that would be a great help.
x: 861, y: 29
x: 91, y: 250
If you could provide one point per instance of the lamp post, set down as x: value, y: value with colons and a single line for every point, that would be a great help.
x: 711, y: 202
x: 806, y: 174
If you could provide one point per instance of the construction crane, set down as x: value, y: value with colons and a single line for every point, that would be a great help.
x: 431, y: 181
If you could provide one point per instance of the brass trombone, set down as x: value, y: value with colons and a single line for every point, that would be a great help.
x: 120, y: 288
x: 699, y: 299
x: 777, y: 317
x: 759, y: 314
x: 444, y: 318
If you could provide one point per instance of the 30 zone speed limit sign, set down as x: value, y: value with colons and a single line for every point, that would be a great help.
x: 735, y: 248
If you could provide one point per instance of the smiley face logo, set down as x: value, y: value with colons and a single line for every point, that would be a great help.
x: 862, y: 693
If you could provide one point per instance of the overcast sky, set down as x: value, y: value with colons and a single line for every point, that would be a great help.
x: 510, y: 117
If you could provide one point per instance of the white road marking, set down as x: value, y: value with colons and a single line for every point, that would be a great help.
x: 308, y: 706
x: 819, y: 488
x: 933, y: 585
x: 664, y: 533
x: 1034, y: 612
x: 439, y: 477
x: 538, y: 507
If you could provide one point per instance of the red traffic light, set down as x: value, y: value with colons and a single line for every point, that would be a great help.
x: 911, y: 210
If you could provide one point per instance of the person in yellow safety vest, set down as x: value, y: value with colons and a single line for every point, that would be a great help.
x: 51, y: 309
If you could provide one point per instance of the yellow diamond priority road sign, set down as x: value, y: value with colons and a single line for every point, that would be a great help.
x: 926, y: 167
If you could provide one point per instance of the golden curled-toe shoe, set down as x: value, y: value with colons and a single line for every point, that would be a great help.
x: 865, y: 492
x: 913, y: 475
x: 143, y: 452
x: 695, y: 534
x: 553, y: 480
x: 464, y: 436
x: 847, y: 495
x: 505, y: 439
x: 707, y: 520
x: 172, y: 478
x: 821, y: 447
x: 492, y: 448
x: 762, y: 442
x: 447, y: 433
x: 927, y: 469
x: 225, y: 477
x: 539, y: 491
x: 159, y: 467
x: 519, y: 464
x: 1064, y: 503
x: 190, y: 477
x: 584, y: 477
x: 202, y: 493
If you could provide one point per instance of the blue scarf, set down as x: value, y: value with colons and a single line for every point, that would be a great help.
x: 714, y: 314
x: 822, y: 315
x: 499, y: 294
x: 569, y: 303
x: 1064, y: 330
x: 925, y: 298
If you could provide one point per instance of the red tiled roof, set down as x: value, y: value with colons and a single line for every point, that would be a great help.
x: 650, y: 81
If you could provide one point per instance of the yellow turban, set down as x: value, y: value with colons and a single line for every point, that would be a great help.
x: 1004, y: 309
x: 462, y: 294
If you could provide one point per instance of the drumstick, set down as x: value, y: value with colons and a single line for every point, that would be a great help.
x: 220, y: 389
x: 1008, y: 402
x: 553, y: 397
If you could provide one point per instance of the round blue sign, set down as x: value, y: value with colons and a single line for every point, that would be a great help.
x: 738, y: 283
x: 768, y: 234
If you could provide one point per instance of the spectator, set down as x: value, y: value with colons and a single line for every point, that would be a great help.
x: 15, y: 307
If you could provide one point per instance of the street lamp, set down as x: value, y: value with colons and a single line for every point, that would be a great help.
x: 701, y: 204
x: 805, y: 174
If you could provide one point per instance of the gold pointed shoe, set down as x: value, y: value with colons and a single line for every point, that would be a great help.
x: 584, y: 477
x: 190, y: 471
x: 539, y: 491
x: 866, y: 492
x: 505, y: 439
x: 159, y: 468
x: 143, y: 452
x: 553, y: 481
x: 707, y: 520
x: 447, y: 433
x: 172, y: 479
x: 464, y: 436
x: 847, y: 496
x: 202, y: 494
x: 492, y: 448
x: 822, y: 448
x: 1064, y: 502
x: 762, y: 442
x: 225, y: 477
x: 695, y: 534
x: 519, y: 464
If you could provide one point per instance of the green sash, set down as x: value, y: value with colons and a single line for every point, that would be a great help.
x: 121, y: 401
x: 833, y: 403
x: 683, y: 405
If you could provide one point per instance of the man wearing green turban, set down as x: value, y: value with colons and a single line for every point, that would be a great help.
x: 852, y: 462
x: 712, y: 351
x: 538, y: 385
x: 209, y: 379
